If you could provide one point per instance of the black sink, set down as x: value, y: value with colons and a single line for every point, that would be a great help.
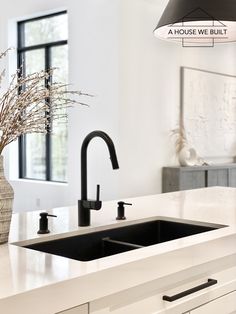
x: 100, y: 244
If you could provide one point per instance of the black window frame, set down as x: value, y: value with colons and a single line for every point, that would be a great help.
x: 20, y: 64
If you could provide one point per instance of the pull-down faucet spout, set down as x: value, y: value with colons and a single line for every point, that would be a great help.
x: 85, y: 205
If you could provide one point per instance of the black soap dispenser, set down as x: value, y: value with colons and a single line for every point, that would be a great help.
x: 121, y: 210
x: 43, y: 223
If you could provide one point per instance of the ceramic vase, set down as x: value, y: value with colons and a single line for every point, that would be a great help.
x: 188, y: 157
x: 6, y: 202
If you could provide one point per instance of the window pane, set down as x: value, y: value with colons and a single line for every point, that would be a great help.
x: 34, y: 61
x: 36, y: 156
x: 45, y: 30
x: 35, y: 143
x: 59, y: 58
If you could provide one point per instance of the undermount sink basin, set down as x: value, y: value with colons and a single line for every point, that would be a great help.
x: 100, y: 244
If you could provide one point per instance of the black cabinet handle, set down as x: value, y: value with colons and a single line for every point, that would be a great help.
x: 209, y: 283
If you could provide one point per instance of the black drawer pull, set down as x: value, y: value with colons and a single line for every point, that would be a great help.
x: 210, y: 282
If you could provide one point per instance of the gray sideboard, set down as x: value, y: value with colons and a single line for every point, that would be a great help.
x: 188, y: 178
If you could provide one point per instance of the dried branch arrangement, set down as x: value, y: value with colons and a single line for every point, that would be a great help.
x: 180, y: 139
x: 28, y: 106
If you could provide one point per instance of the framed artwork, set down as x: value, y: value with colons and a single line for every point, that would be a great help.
x: 208, y: 112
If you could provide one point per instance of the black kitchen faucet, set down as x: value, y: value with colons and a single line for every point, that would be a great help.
x: 85, y: 205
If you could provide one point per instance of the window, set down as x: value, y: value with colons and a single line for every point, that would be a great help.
x: 42, y: 44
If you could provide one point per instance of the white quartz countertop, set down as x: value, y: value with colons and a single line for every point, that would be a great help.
x: 28, y: 276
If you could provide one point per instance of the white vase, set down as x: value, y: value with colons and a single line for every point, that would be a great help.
x: 6, y: 202
x: 188, y: 157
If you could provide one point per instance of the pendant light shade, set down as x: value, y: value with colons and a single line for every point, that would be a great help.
x: 198, y: 20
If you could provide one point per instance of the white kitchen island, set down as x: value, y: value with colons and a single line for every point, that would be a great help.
x: 133, y: 282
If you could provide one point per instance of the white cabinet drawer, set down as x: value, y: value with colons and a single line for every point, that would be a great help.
x: 148, y: 298
x: 223, y: 305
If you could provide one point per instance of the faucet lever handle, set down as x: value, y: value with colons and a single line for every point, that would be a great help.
x: 91, y: 204
x: 98, y: 192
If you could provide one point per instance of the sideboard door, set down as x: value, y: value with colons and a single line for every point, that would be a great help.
x: 218, y: 177
x: 192, y: 180
x: 232, y: 177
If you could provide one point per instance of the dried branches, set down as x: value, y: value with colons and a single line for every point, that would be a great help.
x: 180, y: 139
x: 28, y: 106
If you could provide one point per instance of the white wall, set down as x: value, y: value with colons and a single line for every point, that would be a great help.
x: 135, y: 76
x: 93, y: 49
x: 150, y: 93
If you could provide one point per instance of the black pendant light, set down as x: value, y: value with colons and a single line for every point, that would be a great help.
x: 218, y: 14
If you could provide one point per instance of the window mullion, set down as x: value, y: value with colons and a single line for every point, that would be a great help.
x: 48, y: 135
x: 21, y: 35
x: 44, y: 16
x: 22, y: 156
x: 22, y: 138
x: 41, y: 46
